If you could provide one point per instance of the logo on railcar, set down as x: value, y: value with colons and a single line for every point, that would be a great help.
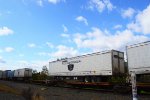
x: 70, y: 67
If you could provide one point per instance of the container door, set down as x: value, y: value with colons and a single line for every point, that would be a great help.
x: 121, y: 62
x: 26, y: 73
x: 117, y: 62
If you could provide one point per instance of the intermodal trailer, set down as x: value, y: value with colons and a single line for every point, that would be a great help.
x: 10, y: 75
x: 139, y: 58
x: 5, y: 74
x: 105, y: 63
x: 23, y: 74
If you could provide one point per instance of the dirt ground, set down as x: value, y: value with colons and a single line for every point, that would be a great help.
x: 21, y: 91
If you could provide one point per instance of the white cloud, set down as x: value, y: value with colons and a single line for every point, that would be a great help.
x: 65, y: 35
x: 65, y: 28
x: 117, y: 26
x: 21, y: 64
x: 100, y: 5
x: 64, y: 51
x: 9, y: 49
x: 49, y: 44
x: 5, y: 31
x: 61, y: 51
x: 134, y: 27
x: 1, y: 60
x: 128, y: 13
x: 37, y: 64
x: 1, y: 50
x: 31, y: 45
x: 40, y: 2
x: 6, y: 49
x: 98, y: 40
x: 56, y: 1
x: 82, y: 19
x: 142, y: 22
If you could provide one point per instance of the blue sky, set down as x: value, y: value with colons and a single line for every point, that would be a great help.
x: 33, y: 32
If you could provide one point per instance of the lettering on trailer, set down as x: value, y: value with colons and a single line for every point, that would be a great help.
x: 70, y: 62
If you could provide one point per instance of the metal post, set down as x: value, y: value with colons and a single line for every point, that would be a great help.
x: 134, y: 88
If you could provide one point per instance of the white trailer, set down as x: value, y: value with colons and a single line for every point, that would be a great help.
x: 23, y: 73
x: 104, y: 63
x: 139, y: 58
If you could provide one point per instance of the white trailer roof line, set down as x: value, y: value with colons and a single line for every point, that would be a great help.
x: 138, y: 44
x: 92, y: 54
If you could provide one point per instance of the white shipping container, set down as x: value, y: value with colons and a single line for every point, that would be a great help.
x: 139, y: 57
x: 25, y: 72
x: 100, y: 63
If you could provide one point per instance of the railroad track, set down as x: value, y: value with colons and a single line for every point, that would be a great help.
x: 72, y: 87
x: 96, y: 86
x: 87, y: 86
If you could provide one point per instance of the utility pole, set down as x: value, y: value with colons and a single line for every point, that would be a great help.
x: 134, y: 88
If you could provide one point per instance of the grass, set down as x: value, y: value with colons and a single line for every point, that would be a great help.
x: 7, y: 89
x: 144, y: 92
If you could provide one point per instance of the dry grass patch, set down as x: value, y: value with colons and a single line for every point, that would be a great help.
x: 29, y: 94
x: 32, y: 94
x: 5, y: 88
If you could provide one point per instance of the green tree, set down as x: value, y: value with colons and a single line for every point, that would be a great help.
x: 34, y: 71
x: 44, y: 70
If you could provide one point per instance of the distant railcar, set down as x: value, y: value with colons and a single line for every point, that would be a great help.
x: 23, y: 74
x: 1, y: 72
x: 10, y: 75
x: 5, y: 74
